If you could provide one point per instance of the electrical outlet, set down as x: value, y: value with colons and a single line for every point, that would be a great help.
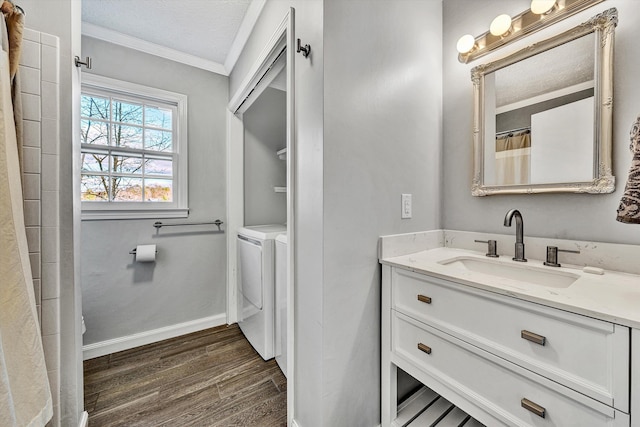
x: 406, y: 206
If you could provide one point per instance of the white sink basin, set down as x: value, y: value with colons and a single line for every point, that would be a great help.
x: 521, y: 272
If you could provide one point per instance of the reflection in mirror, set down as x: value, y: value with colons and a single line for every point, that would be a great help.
x: 543, y: 115
x: 543, y: 109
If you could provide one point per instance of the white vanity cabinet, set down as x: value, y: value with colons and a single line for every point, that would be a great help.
x: 503, y: 360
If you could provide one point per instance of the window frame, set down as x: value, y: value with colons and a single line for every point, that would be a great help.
x: 101, y: 86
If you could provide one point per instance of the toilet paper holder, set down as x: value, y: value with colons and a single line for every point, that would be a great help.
x: 134, y: 251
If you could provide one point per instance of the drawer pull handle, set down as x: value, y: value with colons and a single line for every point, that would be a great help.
x: 424, y: 348
x: 425, y: 299
x: 533, y: 407
x: 534, y: 338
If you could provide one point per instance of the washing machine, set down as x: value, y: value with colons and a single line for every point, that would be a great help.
x: 256, y: 285
x: 281, y: 302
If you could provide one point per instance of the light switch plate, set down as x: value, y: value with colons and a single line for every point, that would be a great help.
x: 406, y: 206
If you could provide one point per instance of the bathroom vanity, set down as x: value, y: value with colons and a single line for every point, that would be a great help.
x: 509, y: 343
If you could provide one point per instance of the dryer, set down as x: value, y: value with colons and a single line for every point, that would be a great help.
x: 256, y: 285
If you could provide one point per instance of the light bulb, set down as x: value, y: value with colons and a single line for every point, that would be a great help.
x: 466, y: 44
x: 540, y: 7
x: 500, y: 25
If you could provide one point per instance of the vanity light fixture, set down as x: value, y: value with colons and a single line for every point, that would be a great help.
x: 466, y: 44
x: 541, y: 7
x: 501, y: 25
x: 505, y: 29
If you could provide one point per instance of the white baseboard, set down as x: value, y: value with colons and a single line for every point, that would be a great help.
x: 84, y: 419
x: 130, y: 341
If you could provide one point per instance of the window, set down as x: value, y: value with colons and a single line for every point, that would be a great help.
x: 133, y: 151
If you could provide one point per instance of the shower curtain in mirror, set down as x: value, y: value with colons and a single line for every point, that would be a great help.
x: 513, y: 158
x: 25, y: 396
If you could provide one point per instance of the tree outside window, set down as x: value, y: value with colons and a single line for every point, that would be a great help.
x: 127, y: 150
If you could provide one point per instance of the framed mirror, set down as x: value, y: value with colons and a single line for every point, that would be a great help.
x: 543, y: 115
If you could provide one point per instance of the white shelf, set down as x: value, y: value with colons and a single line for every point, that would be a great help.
x: 282, y: 154
x: 280, y: 189
x: 426, y: 408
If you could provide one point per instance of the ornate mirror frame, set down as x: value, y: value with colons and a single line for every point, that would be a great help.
x: 603, y: 25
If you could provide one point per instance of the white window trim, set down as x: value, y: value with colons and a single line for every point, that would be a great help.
x: 180, y: 207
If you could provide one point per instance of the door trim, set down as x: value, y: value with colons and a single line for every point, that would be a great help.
x: 283, y: 37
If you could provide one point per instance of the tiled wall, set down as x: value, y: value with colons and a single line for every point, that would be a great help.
x: 39, y: 76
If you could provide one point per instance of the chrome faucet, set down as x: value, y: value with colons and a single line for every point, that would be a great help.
x: 519, y: 249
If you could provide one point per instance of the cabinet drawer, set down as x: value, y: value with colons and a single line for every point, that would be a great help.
x: 585, y: 354
x: 507, y: 392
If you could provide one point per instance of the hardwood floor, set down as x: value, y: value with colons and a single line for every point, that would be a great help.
x: 208, y: 378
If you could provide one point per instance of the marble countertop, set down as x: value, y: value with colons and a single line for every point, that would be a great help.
x: 612, y: 296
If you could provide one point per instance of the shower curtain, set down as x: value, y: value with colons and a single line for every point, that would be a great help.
x: 25, y: 396
x: 513, y: 158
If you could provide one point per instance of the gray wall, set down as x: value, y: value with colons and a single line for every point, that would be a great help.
x: 382, y: 138
x: 368, y: 106
x: 265, y: 132
x: 188, y: 280
x: 570, y: 216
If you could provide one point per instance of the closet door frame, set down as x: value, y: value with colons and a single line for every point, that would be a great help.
x: 251, y: 87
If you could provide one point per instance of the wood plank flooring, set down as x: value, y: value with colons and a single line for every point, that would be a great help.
x: 205, y: 379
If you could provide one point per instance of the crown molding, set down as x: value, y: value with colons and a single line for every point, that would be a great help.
x: 101, y: 33
x: 246, y: 27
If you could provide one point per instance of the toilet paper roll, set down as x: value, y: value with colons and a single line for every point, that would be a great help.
x: 145, y: 253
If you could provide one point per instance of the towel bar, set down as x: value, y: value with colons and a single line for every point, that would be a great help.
x: 158, y: 224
